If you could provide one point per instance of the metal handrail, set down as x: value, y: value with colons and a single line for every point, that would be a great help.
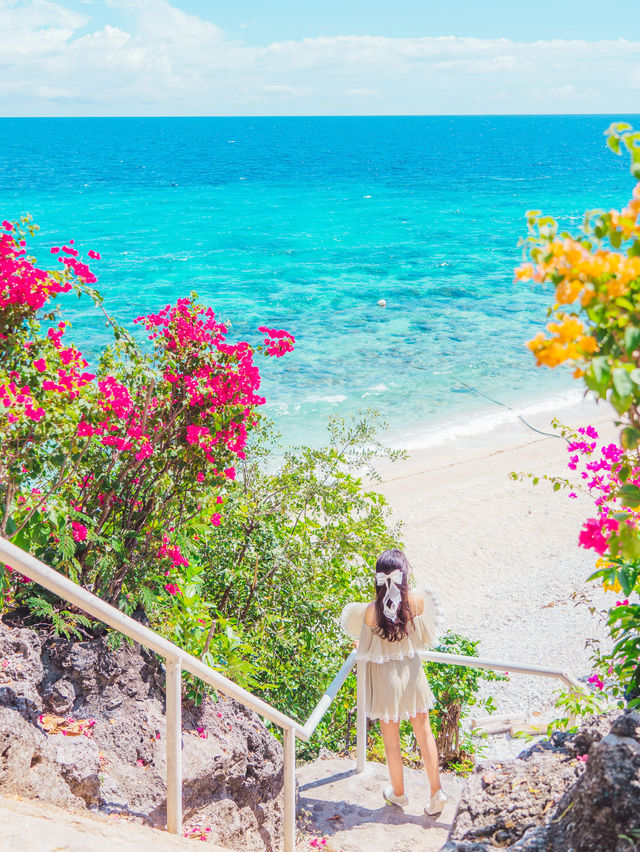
x: 495, y: 666
x: 177, y: 660
x: 329, y: 694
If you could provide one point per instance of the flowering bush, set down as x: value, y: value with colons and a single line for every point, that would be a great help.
x: 607, y: 472
x: 596, y: 327
x: 596, y: 280
x: 103, y: 471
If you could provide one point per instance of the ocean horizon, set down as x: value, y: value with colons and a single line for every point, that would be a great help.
x: 306, y: 224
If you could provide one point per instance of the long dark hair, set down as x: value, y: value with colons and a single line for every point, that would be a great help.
x: 394, y: 631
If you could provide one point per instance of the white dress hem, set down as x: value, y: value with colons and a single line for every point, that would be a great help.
x: 401, y: 717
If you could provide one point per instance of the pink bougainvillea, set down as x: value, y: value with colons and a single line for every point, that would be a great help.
x: 79, y: 531
x: 139, y: 447
x: 277, y: 341
x: 599, y: 470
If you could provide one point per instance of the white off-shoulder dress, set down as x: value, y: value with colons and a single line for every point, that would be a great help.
x: 397, y: 687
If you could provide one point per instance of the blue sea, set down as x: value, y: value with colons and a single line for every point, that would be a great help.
x: 306, y: 223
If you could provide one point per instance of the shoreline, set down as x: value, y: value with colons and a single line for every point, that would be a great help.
x: 493, y: 419
x: 503, y: 555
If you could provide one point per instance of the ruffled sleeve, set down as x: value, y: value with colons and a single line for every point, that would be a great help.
x: 428, y: 624
x: 352, y: 619
x: 373, y: 648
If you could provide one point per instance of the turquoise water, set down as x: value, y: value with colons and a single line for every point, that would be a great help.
x: 305, y: 223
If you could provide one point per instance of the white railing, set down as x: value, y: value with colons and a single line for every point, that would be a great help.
x: 177, y: 661
x: 495, y: 666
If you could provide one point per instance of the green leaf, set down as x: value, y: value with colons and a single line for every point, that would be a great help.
x: 629, y: 438
x: 631, y: 343
x: 622, y: 404
x: 630, y: 547
x: 624, y: 472
x: 614, y: 143
x: 601, y: 369
x: 622, y: 382
x: 630, y: 495
x: 627, y: 577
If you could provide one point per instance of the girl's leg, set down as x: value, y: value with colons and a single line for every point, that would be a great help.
x: 428, y: 749
x: 391, y: 738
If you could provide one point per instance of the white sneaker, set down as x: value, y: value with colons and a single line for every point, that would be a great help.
x: 436, y: 804
x: 391, y: 798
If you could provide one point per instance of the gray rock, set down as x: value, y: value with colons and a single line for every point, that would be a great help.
x: 59, y: 697
x: 601, y: 811
x: 79, y: 764
x: 232, y: 769
x: 28, y: 763
x: 548, y: 801
x: 21, y: 671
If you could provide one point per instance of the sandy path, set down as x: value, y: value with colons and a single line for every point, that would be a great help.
x: 348, y: 809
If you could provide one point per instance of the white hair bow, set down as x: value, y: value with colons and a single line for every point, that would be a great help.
x: 393, y: 596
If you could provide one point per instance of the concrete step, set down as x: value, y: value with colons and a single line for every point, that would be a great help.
x: 348, y: 809
x: 35, y: 826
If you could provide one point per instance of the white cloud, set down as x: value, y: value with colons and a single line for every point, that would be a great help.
x: 154, y: 58
x: 363, y: 93
x: 291, y: 91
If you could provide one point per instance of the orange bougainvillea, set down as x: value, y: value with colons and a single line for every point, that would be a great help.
x: 595, y: 319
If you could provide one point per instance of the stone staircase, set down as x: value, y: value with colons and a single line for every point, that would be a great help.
x: 33, y: 826
x: 334, y: 802
x: 348, y: 810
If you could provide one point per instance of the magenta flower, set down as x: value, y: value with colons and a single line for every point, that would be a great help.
x: 85, y: 430
x: 40, y: 365
x: 595, y: 680
x: 145, y: 451
x: 215, y: 519
x: 79, y: 531
x: 172, y: 589
x: 594, y: 533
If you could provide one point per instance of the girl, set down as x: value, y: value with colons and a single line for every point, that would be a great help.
x: 391, y: 631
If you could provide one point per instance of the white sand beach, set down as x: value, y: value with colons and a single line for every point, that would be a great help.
x: 504, y: 555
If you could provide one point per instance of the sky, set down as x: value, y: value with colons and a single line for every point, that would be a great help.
x: 337, y: 57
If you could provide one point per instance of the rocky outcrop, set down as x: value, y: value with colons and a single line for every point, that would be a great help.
x: 232, y: 766
x: 574, y: 793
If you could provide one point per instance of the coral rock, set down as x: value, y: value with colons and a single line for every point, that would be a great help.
x: 232, y: 766
x: 549, y: 801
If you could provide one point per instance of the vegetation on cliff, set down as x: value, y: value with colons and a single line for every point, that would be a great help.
x: 596, y: 328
